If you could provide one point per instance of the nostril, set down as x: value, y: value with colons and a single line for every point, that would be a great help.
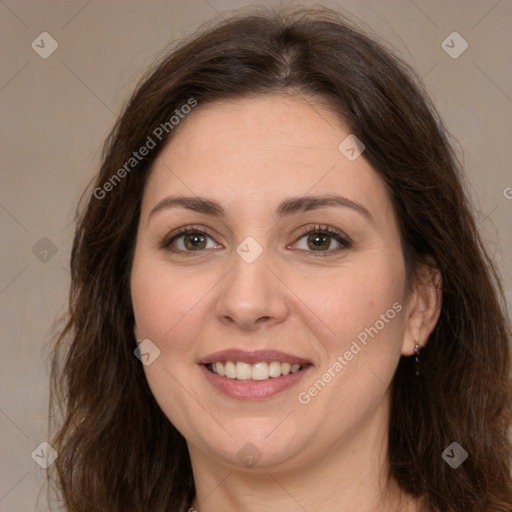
x: 263, y: 319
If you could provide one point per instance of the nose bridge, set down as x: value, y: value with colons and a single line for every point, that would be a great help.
x: 252, y: 295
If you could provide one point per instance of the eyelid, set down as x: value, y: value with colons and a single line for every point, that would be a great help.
x: 338, y: 235
x: 344, y: 240
x: 185, y: 230
x: 323, y: 228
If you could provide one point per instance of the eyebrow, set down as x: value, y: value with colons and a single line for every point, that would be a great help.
x: 287, y: 207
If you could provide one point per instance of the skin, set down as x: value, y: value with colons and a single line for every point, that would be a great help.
x: 249, y: 155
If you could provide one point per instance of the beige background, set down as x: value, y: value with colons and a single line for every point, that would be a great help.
x: 56, y: 112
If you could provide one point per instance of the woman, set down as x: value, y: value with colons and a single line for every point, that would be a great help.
x: 279, y: 296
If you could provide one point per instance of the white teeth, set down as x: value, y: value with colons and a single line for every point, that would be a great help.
x: 258, y: 371
x: 286, y: 368
x: 219, y: 369
x: 230, y: 369
x: 243, y: 371
x: 274, y: 369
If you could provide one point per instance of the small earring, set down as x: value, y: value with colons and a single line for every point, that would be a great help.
x: 417, y: 350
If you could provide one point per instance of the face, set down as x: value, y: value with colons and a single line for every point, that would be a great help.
x: 267, y: 253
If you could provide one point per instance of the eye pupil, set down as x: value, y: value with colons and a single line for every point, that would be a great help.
x: 319, y: 241
x: 195, y: 241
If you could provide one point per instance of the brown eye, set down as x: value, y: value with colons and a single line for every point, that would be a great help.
x: 189, y: 240
x: 322, y: 241
x: 194, y: 241
x: 319, y: 241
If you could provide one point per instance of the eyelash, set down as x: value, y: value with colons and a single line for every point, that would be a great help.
x: 342, y: 239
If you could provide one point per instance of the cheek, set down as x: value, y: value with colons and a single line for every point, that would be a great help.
x: 357, y: 300
x: 361, y: 333
x: 166, y: 307
x: 164, y: 299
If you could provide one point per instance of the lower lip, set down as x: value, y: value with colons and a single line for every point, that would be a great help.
x: 252, y: 389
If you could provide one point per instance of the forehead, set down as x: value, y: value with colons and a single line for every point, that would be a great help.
x: 259, y: 150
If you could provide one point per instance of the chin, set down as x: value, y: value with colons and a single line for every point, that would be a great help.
x: 256, y: 445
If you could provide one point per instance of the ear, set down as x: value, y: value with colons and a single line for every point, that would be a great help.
x: 423, y: 307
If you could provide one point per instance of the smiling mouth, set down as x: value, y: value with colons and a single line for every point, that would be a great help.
x: 258, y: 371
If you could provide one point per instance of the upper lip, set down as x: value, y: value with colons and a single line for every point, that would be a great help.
x: 253, y: 357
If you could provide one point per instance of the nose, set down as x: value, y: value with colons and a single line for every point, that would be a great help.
x: 252, y: 297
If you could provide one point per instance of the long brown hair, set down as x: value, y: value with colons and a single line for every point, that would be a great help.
x: 117, y: 451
